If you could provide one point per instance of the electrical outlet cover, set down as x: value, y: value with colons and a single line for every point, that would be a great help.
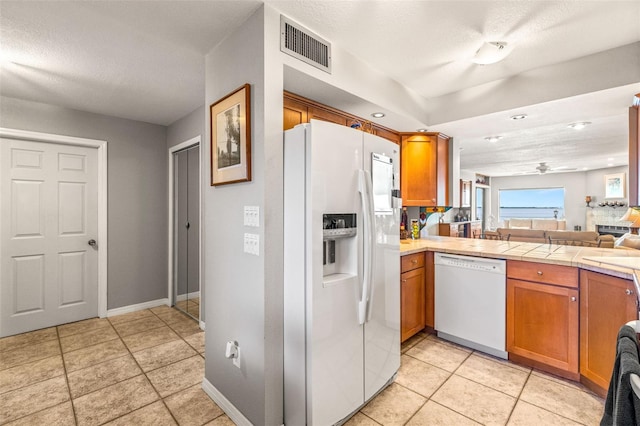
x: 236, y: 360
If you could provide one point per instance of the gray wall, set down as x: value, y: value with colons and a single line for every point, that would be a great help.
x: 137, y: 192
x: 188, y: 127
x: 243, y: 293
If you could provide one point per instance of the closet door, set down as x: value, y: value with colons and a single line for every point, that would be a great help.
x: 193, y: 239
x: 187, y: 231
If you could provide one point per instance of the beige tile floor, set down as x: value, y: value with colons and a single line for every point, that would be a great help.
x: 143, y: 368
x: 146, y: 368
x: 440, y: 383
x: 190, y: 306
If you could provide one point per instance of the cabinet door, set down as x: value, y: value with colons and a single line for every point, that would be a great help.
x: 326, y: 115
x: 294, y: 113
x: 542, y: 325
x: 429, y: 301
x: 442, y: 171
x: 418, y: 170
x: 412, y: 302
x: 606, y: 303
x: 386, y: 133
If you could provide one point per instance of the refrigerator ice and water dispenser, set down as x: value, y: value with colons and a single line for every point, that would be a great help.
x: 338, y: 243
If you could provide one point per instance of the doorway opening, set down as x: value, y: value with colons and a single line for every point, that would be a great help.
x: 480, y: 210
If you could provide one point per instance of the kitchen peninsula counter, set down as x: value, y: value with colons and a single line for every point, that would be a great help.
x: 586, y: 293
x: 615, y: 262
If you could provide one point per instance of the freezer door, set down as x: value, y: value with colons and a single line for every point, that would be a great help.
x: 382, y: 330
x: 335, y: 338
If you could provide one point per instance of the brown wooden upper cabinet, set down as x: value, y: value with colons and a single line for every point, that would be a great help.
x: 424, y: 169
x: 297, y: 110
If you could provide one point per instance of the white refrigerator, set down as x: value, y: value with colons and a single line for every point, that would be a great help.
x: 341, y: 271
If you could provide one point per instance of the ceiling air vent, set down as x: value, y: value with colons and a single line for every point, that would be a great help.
x: 304, y: 45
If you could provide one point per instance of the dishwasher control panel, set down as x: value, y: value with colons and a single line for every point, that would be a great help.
x: 469, y: 262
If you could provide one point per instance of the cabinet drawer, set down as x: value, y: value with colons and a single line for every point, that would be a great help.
x: 566, y: 276
x: 412, y: 261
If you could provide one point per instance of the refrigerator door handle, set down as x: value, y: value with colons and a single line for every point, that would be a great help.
x: 364, y: 187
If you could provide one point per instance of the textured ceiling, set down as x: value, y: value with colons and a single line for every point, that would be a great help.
x: 427, y: 45
x: 144, y: 60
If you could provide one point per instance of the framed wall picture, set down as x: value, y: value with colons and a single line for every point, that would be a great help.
x: 614, y: 186
x: 231, y: 138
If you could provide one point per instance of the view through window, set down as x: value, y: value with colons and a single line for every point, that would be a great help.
x: 538, y: 203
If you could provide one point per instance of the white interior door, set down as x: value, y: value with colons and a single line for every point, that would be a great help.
x: 48, y: 216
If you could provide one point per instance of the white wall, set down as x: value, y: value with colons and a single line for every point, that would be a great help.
x: 603, y: 70
x: 577, y: 185
x: 137, y: 192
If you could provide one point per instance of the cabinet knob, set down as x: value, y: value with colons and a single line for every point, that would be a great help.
x: 414, y: 261
x: 573, y: 298
x: 539, y: 272
x: 629, y: 292
x: 404, y: 281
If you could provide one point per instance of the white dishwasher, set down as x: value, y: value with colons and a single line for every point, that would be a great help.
x: 470, y: 302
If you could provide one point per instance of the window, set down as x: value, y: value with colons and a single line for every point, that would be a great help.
x: 539, y: 203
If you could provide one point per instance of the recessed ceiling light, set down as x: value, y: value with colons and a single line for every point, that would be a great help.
x: 610, y: 159
x: 493, y: 139
x: 610, y: 165
x: 585, y: 168
x: 519, y: 117
x: 580, y: 125
x: 423, y: 130
x: 378, y: 114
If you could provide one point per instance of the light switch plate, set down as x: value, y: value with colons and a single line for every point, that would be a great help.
x: 252, y: 244
x: 252, y: 216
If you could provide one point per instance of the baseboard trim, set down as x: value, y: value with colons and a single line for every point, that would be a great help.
x: 137, y: 307
x: 229, y: 409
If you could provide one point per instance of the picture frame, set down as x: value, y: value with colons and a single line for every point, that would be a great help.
x: 231, y: 137
x: 614, y: 185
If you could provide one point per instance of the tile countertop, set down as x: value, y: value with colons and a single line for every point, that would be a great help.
x: 616, y: 262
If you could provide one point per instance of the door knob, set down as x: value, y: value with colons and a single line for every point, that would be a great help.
x: 92, y: 242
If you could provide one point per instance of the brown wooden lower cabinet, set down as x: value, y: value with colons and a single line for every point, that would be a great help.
x: 412, y: 297
x: 449, y: 230
x: 542, y: 326
x: 606, y: 303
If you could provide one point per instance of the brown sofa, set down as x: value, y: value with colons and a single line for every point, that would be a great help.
x: 586, y: 238
x: 541, y: 224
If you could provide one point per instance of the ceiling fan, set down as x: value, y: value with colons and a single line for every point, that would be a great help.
x: 543, y: 168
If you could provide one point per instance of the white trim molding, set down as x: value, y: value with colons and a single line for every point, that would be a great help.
x: 228, y: 408
x: 101, y: 146
x: 137, y: 307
